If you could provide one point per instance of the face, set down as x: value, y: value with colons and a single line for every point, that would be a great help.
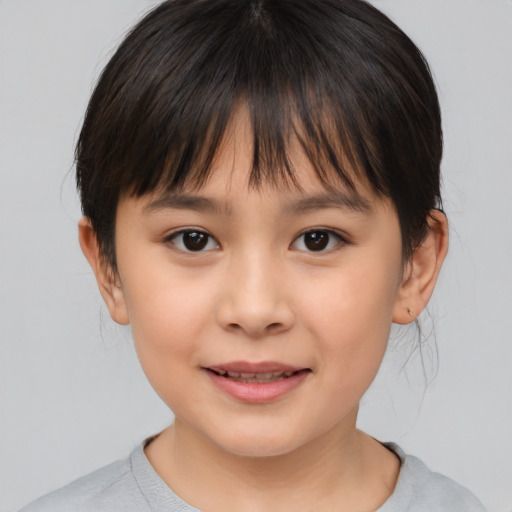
x: 260, y: 316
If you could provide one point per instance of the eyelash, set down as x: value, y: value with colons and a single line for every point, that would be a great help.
x: 340, y: 240
x: 173, y: 236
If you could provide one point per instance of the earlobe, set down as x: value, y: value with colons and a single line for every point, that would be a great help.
x: 422, y: 270
x: 108, y: 282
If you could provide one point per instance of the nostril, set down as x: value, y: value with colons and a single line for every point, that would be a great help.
x: 273, y: 328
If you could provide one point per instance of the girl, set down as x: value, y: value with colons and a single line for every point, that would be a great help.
x: 260, y: 189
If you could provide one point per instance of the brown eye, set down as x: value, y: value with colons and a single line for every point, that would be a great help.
x: 193, y: 241
x: 317, y: 240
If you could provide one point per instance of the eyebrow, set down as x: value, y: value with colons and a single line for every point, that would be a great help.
x: 185, y: 202
x: 337, y: 199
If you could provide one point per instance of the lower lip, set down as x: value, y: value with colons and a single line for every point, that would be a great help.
x: 258, y: 392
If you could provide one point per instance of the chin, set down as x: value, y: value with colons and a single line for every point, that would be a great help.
x: 259, y: 442
x: 260, y: 448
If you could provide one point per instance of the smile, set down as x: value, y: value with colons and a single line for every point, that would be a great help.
x: 256, y: 383
x: 254, y: 377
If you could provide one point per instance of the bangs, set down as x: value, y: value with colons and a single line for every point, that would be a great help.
x: 296, y: 122
x: 336, y: 76
x: 167, y: 121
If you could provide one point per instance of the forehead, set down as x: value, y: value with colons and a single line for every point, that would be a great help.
x: 230, y: 182
x: 297, y: 170
x: 228, y: 191
x: 291, y: 183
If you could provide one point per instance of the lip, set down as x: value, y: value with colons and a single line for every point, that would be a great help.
x: 247, y: 367
x: 256, y: 392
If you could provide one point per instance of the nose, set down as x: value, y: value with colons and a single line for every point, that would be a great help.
x: 254, y: 300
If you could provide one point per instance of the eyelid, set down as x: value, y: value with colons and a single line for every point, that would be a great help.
x: 342, y: 239
x: 170, y: 236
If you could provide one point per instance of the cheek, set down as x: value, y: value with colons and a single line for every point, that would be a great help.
x: 167, y: 315
x: 166, y: 303
x: 352, y: 318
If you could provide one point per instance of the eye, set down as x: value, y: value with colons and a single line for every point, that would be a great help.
x: 317, y: 240
x: 193, y: 240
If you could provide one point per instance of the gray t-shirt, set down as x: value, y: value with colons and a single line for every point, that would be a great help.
x: 132, y: 485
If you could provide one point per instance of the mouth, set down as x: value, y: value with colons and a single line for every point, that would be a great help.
x: 256, y: 382
x: 255, y: 378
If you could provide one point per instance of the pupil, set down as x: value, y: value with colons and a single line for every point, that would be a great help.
x: 195, y: 241
x: 316, y: 240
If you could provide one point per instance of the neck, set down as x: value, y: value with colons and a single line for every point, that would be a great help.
x: 333, y: 468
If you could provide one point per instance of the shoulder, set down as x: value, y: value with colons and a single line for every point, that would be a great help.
x: 420, y: 490
x: 112, y: 488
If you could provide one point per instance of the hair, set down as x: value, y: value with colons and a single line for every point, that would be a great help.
x: 337, y: 76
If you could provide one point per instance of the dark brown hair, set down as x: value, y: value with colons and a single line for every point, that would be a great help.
x: 336, y: 75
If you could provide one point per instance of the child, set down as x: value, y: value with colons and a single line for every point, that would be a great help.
x: 260, y: 188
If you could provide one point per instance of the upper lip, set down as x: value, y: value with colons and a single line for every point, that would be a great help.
x: 248, y: 367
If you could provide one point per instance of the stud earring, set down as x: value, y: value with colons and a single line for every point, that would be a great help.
x: 410, y: 311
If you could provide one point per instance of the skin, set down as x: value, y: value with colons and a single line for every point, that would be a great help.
x: 256, y: 293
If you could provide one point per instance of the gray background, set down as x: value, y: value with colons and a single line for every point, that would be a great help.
x: 71, y: 392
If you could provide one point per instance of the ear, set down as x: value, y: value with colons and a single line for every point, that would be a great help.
x: 107, y: 279
x: 422, y: 270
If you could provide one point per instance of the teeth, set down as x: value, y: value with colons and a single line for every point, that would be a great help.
x: 255, y: 377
